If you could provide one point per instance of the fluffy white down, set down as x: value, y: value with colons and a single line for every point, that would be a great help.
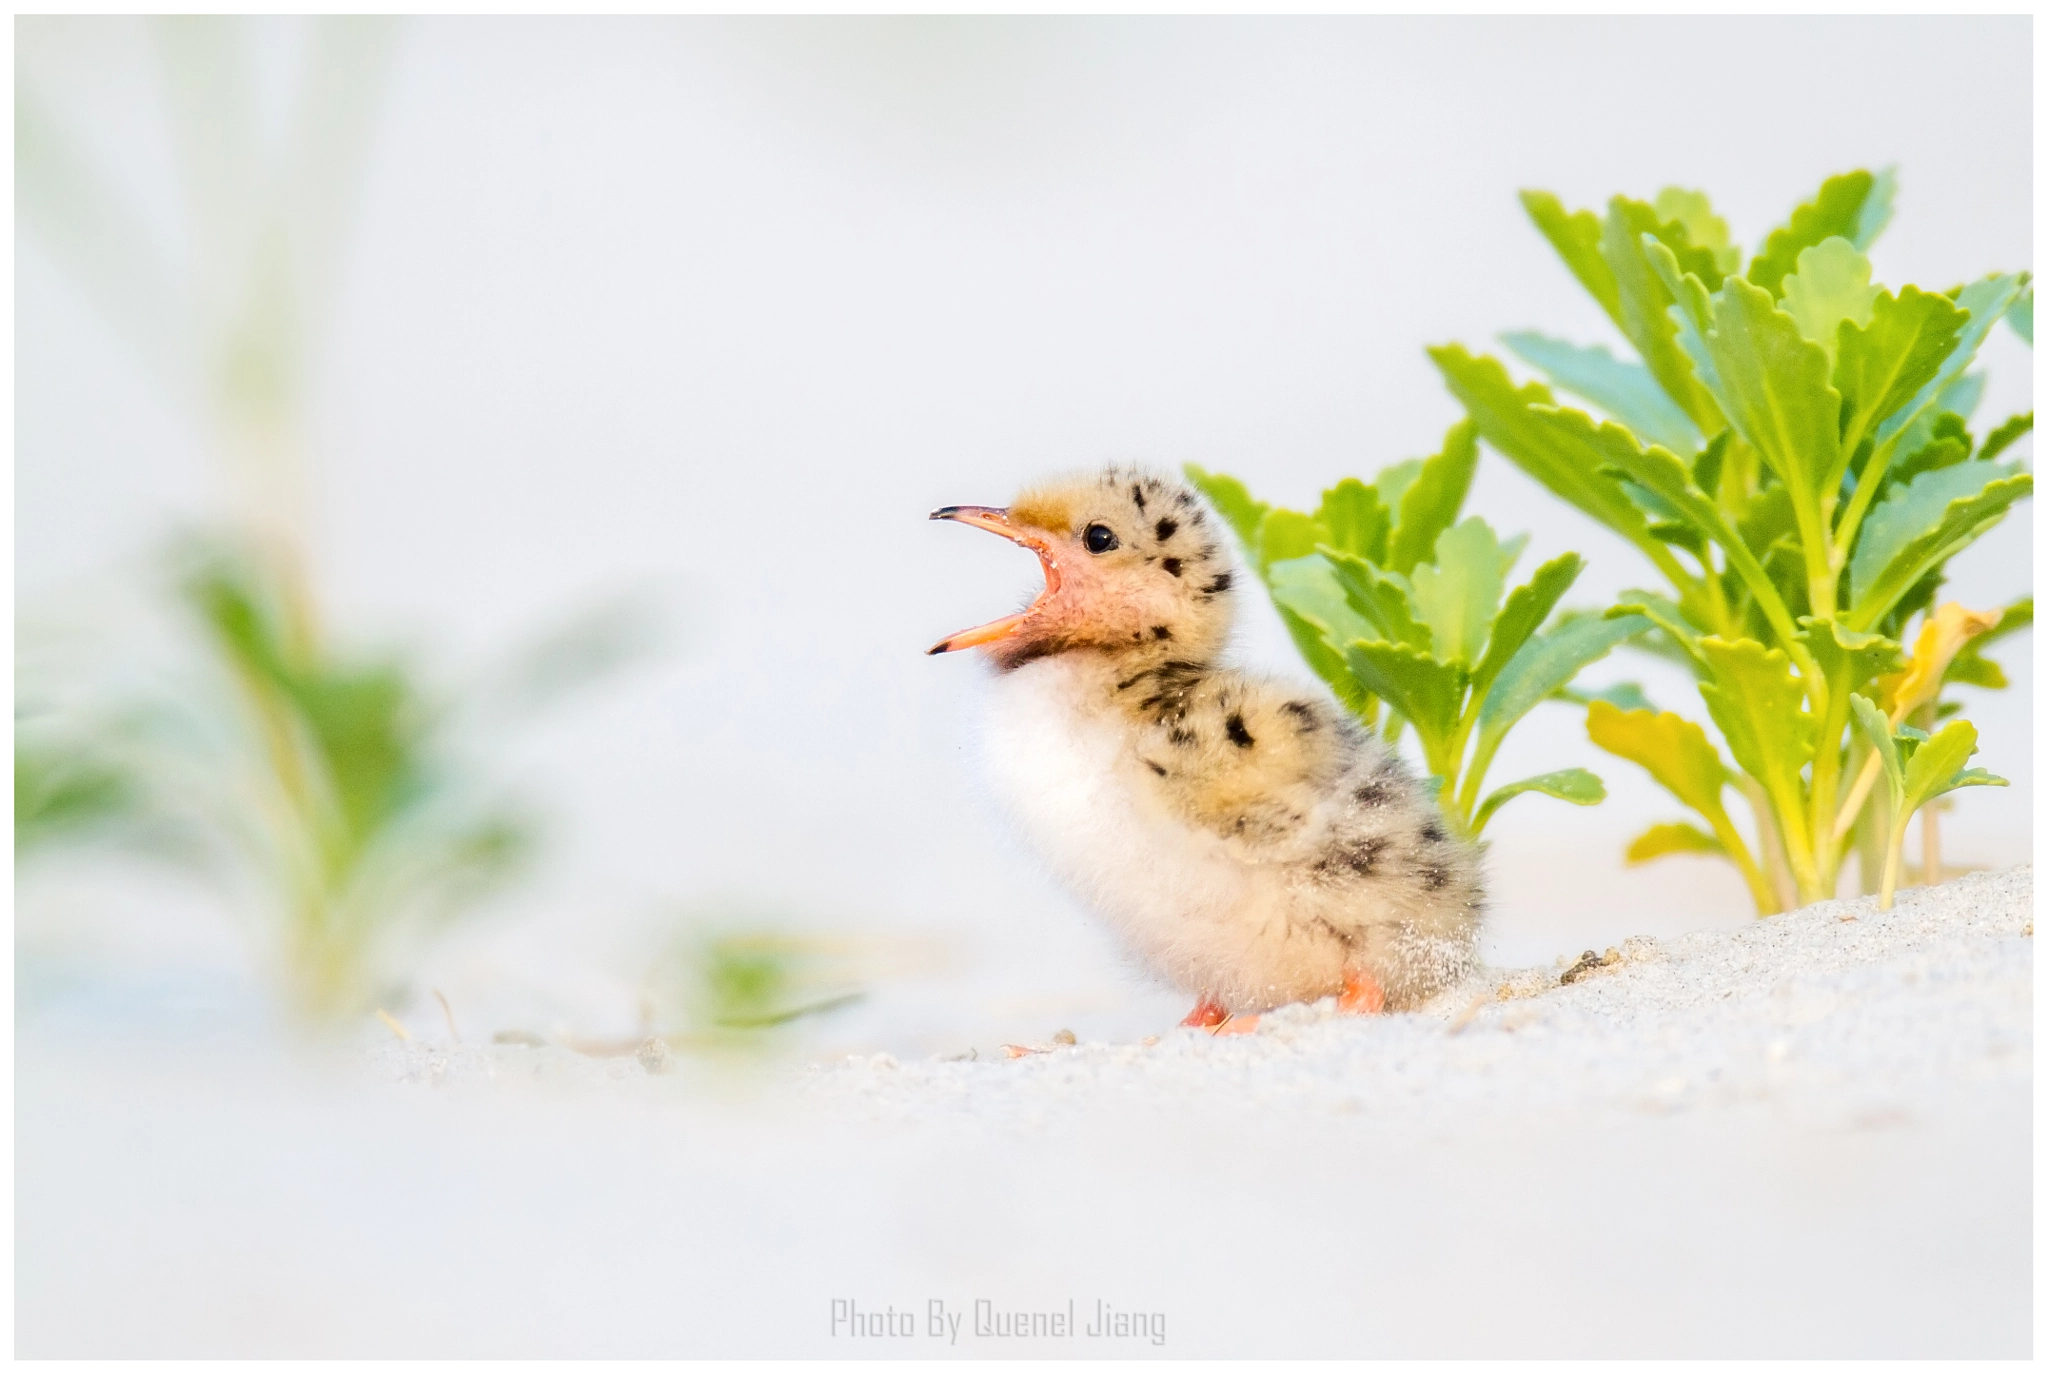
x: 1189, y: 909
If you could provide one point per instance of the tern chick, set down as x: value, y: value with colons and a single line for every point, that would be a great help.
x: 1247, y: 839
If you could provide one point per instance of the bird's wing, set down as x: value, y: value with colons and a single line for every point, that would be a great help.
x: 1249, y: 759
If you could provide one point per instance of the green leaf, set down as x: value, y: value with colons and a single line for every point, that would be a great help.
x: 1526, y: 608
x: 1426, y: 693
x: 1877, y: 208
x: 1392, y: 482
x: 1872, y: 724
x: 1843, y: 206
x: 1831, y: 287
x: 1921, y: 524
x: 1673, y: 750
x: 1767, y: 518
x: 1380, y: 598
x: 1706, y: 469
x: 1235, y: 505
x: 2002, y: 438
x: 1691, y: 312
x: 1356, y: 519
x: 1458, y: 596
x: 1319, y: 618
x: 1663, y: 473
x: 1625, y: 391
x: 1625, y: 696
x: 1936, y: 766
x: 1559, y: 452
x: 1288, y: 534
x: 1756, y: 702
x: 1645, y: 299
x: 1666, y: 617
x: 1847, y: 658
x: 1542, y: 666
x: 2020, y: 315
x: 1576, y: 237
x: 1327, y: 663
x: 1312, y: 589
x: 1946, y: 451
x: 1430, y: 503
x: 1773, y: 386
x: 1885, y: 360
x: 1986, y: 300
x: 1703, y: 227
x: 1671, y: 838
x: 1576, y: 786
x: 1971, y: 778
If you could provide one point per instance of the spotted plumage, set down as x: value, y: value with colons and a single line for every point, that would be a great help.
x: 1246, y: 838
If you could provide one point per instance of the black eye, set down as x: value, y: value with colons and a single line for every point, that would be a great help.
x: 1099, y: 538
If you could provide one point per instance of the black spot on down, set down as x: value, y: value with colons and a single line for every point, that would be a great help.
x: 1233, y: 726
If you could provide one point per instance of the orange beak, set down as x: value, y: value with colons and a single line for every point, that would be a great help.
x: 997, y: 520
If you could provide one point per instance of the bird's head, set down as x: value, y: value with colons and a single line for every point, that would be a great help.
x: 1135, y: 567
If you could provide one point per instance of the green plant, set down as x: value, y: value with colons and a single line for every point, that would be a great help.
x: 332, y: 786
x: 362, y: 825
x: 1404, y: 610
x: 1917, y: 769
x: 1789, y: 451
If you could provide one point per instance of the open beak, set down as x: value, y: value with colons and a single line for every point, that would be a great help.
x: 997, y: 520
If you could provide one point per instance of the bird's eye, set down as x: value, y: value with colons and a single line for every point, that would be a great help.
x: 1099, y: 538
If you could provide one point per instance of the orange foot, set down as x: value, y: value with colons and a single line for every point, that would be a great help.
x: 1361, y: 994
x: 1207, y: 1013
x: 1238, y: 1026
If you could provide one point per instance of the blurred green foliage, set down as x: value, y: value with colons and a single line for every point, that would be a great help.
x: 735, y: 979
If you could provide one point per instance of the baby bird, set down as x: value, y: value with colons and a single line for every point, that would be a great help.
x: 1245, y: 837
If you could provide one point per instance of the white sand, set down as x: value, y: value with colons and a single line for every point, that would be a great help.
x: 1839, y: 1014
x: 1807, y: 1137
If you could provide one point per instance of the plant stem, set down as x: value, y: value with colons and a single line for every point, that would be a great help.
x: 1930, y: 846
x: 1769, y: 846
x: 1891, y: 864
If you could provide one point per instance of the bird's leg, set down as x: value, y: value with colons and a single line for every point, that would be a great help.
x: 1239, y: 1026
x: 1208, y: 1013
x: 1362, y: 995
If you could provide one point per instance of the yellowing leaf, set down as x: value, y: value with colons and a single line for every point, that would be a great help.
x: 1675, y: 751
x: 1942, y: 637
x: 1671, y: 838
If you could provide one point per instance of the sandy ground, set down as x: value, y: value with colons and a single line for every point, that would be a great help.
x: 1810, y: 1137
